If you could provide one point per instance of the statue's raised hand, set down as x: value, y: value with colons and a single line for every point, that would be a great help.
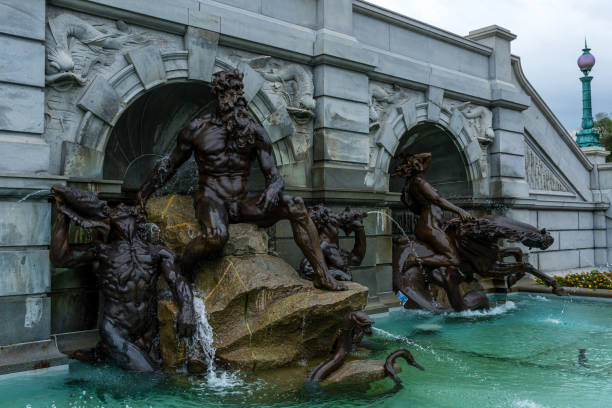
x: 269, y: 198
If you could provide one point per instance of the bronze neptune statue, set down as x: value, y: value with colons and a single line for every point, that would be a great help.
x: 225, y: 144
x: 127, y: 268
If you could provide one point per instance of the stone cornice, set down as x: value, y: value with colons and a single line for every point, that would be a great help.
x: 548, y: 114
x: 490, y: 31
x: 368, y: 9
x: 170, y: 22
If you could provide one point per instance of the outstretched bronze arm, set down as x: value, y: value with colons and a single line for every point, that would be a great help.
x: 432, y: 196
x: 274, y: 182
x: 359, y: 249
x: 182, y: 294
x: 64, y: 255
x: 168, y: 165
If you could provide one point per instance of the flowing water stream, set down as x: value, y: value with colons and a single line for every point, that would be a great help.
x: 201, y: 346
x: 32, y: 194
x: 378, y: 222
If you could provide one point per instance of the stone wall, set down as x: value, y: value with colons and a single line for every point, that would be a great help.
x: 580, y: 238
x: 341, y: 86
x: 25, y: 313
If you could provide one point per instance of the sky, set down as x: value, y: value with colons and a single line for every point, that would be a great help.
x: 550, y: 39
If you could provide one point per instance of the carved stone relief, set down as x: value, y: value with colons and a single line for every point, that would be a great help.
x: 81, y: 47
x: 382, y: 98
x: 74, y: 46
x: 290, y: 85
x: 479, y: 125
x: 479, y: 120
x: 385, y: 99
x: 539, y: 174
x: 291, y: 81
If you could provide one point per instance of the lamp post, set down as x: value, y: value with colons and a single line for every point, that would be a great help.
x: 587, y: 136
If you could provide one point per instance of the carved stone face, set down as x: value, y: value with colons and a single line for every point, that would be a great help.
x: 59, y: 60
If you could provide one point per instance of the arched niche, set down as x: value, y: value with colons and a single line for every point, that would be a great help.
x: 113, y: 100
x: 448, y: 171
x: 147, y: 131
x: 429, y: 127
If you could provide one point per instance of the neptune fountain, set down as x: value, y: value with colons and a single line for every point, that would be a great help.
x: 127, y: 265
x: 229, y: 308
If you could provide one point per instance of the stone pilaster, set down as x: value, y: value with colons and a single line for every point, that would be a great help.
x: 22, y: 80
x: 507, y: 152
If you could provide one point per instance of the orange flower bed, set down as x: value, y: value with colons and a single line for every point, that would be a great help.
x: 589, y: 280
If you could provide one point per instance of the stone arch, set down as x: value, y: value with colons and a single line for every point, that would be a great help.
x: 409, y: 115
x: 108, y: 97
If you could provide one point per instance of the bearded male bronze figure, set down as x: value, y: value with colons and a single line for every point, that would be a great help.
x: 225, y: 144
x: 127, y: 268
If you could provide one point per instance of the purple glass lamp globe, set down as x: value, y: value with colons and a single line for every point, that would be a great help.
x: 586, y: 60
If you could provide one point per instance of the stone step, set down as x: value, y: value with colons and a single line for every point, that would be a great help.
x: 30, y: 356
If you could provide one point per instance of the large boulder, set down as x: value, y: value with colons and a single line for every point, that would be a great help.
x: 174, y: 216
x: 173, y: 350
x: 263, y: 315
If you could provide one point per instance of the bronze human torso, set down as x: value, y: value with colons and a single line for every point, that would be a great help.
x: 127, y: 268
x: 223, y: 167
x: 128, y: 274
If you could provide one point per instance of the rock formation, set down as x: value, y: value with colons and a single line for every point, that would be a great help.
x: 262, y: 313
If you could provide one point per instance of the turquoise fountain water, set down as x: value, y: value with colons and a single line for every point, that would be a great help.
x: 523, y: 353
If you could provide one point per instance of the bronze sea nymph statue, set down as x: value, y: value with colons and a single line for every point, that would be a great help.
x: 127, y: 268
x: 449, y: 253
x: 225, y: 144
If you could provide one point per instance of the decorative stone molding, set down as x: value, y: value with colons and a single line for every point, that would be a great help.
x: 541, y: 173
x: 201, y: 44
x: 148, y: 64
x: 403, y: 117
